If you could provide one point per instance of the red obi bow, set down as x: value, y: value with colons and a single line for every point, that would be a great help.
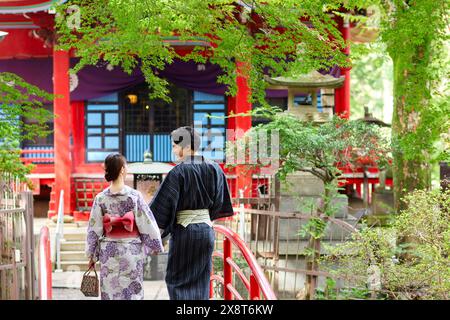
x: 126, y: 222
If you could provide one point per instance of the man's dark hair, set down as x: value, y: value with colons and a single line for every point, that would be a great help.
x: 186, y: 137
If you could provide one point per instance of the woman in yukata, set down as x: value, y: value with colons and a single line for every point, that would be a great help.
x: 121, y: 233
x: 194, y: 193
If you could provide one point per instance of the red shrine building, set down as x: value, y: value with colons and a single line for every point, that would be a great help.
x: 101, y: 109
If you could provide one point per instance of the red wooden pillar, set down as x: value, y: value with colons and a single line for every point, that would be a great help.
x: 78, y: 132
x: 358, y: 190
x: 78, y: 148
x: 241, y: 104
x: 62, y: 125
x: 342, y: 94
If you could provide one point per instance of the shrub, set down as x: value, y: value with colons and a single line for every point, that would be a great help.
x: 408, y: 259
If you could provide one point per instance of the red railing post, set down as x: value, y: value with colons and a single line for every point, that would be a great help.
x: 227, y: 270
x: 254, y: 288
x: 258, y: 283
x: 45, y: 266
x: 211, y: 287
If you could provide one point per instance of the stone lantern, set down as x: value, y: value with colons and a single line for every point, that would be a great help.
x: 148, y: 175
x: 311, y: 84
x: 302, y: 190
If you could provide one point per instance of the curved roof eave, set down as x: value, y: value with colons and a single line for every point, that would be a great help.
x: 27, y: 6
x: 313, y: 79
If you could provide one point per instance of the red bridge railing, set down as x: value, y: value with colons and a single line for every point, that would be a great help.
x: 256, y: 286
x: 45, y: 266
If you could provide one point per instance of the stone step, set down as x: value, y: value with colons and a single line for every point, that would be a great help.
x: 81, y: 265
x: 73, y: 245
x: 79, y: 225
x: 72, y: 256
x: 75, y: 236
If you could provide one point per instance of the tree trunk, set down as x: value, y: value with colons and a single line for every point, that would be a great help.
x: 312, y: 265
x: 314, y: 246
x: 411, y: 169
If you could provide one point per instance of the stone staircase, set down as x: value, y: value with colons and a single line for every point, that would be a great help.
x: 73, y: 256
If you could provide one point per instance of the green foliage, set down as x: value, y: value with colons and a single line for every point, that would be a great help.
x: 132, y: 33
x: 317, y: 149
x: 415, y: 36
x: 414, y: 269
x: 315, y: 227
x: 332, y: 292
x: 417, y: 41
x: 19, y: 99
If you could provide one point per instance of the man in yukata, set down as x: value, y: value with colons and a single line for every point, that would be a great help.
x: 194, y: 193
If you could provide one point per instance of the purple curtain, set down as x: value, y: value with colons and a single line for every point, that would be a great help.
x: 98, y: 81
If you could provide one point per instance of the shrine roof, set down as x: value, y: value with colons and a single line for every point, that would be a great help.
x: 26, y: 6
x: 313, y: 79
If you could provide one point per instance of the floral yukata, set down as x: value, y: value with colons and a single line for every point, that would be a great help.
x: 122, y: 260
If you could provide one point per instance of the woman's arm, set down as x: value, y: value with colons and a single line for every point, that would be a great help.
x: 148, y: 228
x: 94, y: 232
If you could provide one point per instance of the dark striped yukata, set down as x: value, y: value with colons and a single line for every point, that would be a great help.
x: 193, y: 184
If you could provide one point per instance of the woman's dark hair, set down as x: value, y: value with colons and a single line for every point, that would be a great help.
x: 114, y: 163
x: 186, y: 137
